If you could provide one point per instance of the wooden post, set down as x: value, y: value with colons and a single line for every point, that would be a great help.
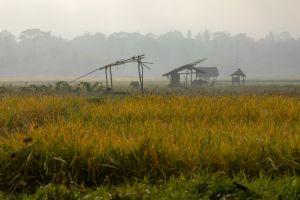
x: 142, y: 85
x: 140, y: 76
x: 186, y: 78
x: 191, y: 77
x: 111, y: 81
x: 106, y: 78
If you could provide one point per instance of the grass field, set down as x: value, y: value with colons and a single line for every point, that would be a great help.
x: 150, y: 147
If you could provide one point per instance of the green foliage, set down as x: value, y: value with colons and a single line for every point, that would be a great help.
x: 207, y: 186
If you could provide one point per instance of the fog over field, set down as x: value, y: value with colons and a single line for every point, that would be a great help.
x: 67, y: 38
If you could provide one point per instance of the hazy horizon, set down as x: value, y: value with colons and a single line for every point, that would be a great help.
x: 69, y: 18
x: 262, y: 37
x: 185, y: 33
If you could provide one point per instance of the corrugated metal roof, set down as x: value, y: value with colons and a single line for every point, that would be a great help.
x: 188, y: 66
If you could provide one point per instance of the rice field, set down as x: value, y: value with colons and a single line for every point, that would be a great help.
x: 111, y: 141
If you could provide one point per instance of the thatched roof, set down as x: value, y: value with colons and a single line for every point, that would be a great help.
x: 209, y: 71
x: 185, y: 67
x: 238, y: 72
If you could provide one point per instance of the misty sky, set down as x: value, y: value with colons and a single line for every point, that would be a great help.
x: 70, y: 18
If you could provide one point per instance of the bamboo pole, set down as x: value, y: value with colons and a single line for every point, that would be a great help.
x: 191, y: 77
x: 106, y: 78
x: 136, y: 59
x: 186, y: 78
x: 139, y: 70
x: 111, y: 81
x: 119, y: 62
x: 142, y: 76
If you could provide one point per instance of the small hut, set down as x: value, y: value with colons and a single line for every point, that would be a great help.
x: 210, y: 73
x: 135, y: 84
x: 188, y: 70
x: 236, y: 77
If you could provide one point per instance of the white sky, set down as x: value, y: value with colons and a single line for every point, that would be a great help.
x: 69, y: 18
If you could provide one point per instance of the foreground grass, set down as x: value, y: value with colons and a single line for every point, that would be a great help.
x: 90, y: 142
x: 197, y: 187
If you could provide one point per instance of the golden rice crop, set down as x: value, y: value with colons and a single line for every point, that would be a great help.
x: 75, y: 140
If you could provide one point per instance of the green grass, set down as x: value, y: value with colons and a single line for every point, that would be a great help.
x: 198, y: 187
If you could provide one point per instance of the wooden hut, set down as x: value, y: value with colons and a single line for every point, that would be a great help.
x: 210, y: 73
x: 188, y: 70
x: 135, y: 84
x: 236, y: 77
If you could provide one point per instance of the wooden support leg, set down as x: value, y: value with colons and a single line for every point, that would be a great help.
x: 142, y: 84
x: 186, y: 78
x: 111, y: 81
x: 106, y: 78
x: 140, y: 76
x: 191, y: 77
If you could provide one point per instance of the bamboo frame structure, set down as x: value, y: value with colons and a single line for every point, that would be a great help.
x: 137, y: 59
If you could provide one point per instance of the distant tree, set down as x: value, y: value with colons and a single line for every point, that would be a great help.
x: 199, y: 37
x: 171, y: 35
x: 31, y: 34
x: 38, y: 52
x: 206, y: 36
x: 7, y: 36
x: 151, y: 35
x: 8, y: 57
x: 285, y: 36
x: 189, y: 34
x: 270, y: 38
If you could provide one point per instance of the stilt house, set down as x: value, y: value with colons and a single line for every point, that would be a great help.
x: 237, y: 76
x: 189, y: 71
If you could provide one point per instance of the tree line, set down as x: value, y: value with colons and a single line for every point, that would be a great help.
x: 40, y: 53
